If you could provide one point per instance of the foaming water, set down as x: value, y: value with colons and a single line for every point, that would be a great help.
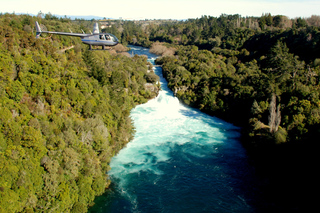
x: 181, y: 160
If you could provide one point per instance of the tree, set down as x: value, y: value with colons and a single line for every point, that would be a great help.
x: 275, y: 114
x: 262, y: 22
x: 314, y: 20
x: 269, y: 20
x: 277, y: 21
x: 40, y: 15
x: 15, y: 90
x: 301, y: 23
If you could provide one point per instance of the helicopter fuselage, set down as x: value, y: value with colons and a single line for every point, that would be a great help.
x: 100, y: 39
x: 94, y: 39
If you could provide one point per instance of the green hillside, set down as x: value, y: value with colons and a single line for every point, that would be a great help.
x: 259, y: 73
x: 63, y: 115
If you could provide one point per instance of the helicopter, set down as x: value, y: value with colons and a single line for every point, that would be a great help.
x: 95, y: 39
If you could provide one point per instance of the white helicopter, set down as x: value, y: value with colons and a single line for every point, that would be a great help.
x: 96, y: 38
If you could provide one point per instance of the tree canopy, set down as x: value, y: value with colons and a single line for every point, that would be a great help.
x: 265, y: 80
x: 64, y: 114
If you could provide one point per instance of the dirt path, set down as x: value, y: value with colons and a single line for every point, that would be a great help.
x: 65, y: 49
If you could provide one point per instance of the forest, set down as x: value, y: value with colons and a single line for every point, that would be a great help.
x: 261, y: 74
x: 65, y: 110
x: 64, y: 114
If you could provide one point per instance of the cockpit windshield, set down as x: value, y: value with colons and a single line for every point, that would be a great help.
x: 112, y: 37
x: 108, y: 38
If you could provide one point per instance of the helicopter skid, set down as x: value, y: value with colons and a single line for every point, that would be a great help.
x: 100, y: 49
x: 103, y: 48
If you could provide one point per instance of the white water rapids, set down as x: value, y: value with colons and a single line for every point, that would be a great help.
x: 180, y: 160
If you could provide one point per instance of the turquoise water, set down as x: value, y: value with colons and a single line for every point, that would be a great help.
x: 181, y: 160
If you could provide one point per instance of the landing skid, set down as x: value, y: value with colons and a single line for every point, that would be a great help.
x: 103, y: 48
x: 100, y: 50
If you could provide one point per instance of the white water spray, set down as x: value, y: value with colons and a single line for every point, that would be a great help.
x: 170, y: 140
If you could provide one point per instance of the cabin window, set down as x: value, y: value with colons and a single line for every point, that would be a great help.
x: 101, y: 37
x: 108, y: 37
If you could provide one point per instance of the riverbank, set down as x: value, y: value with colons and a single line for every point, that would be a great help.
x: 179, y: 153
x: 64, y: 115
x: 287, y: 168
x: 179, y: 160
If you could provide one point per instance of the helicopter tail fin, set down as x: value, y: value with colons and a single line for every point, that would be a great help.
x: 96, y: 28
x: 38, y: 30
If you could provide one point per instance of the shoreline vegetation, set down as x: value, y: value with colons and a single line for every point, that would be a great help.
x: 265, y: 81
x: 65, y: 112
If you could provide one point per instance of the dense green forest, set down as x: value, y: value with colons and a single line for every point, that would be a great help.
x: 63, y: 114
x: 64, y: 111
x: 261, y: 74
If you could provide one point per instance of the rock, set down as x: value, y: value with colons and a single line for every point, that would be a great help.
x: 152, y: 88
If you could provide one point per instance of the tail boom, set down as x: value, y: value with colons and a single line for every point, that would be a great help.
x: 38, y: 29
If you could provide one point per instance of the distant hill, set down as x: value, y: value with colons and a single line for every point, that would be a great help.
x: 89, y: 17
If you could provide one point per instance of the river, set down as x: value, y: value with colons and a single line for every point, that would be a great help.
x: 181, y: 160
